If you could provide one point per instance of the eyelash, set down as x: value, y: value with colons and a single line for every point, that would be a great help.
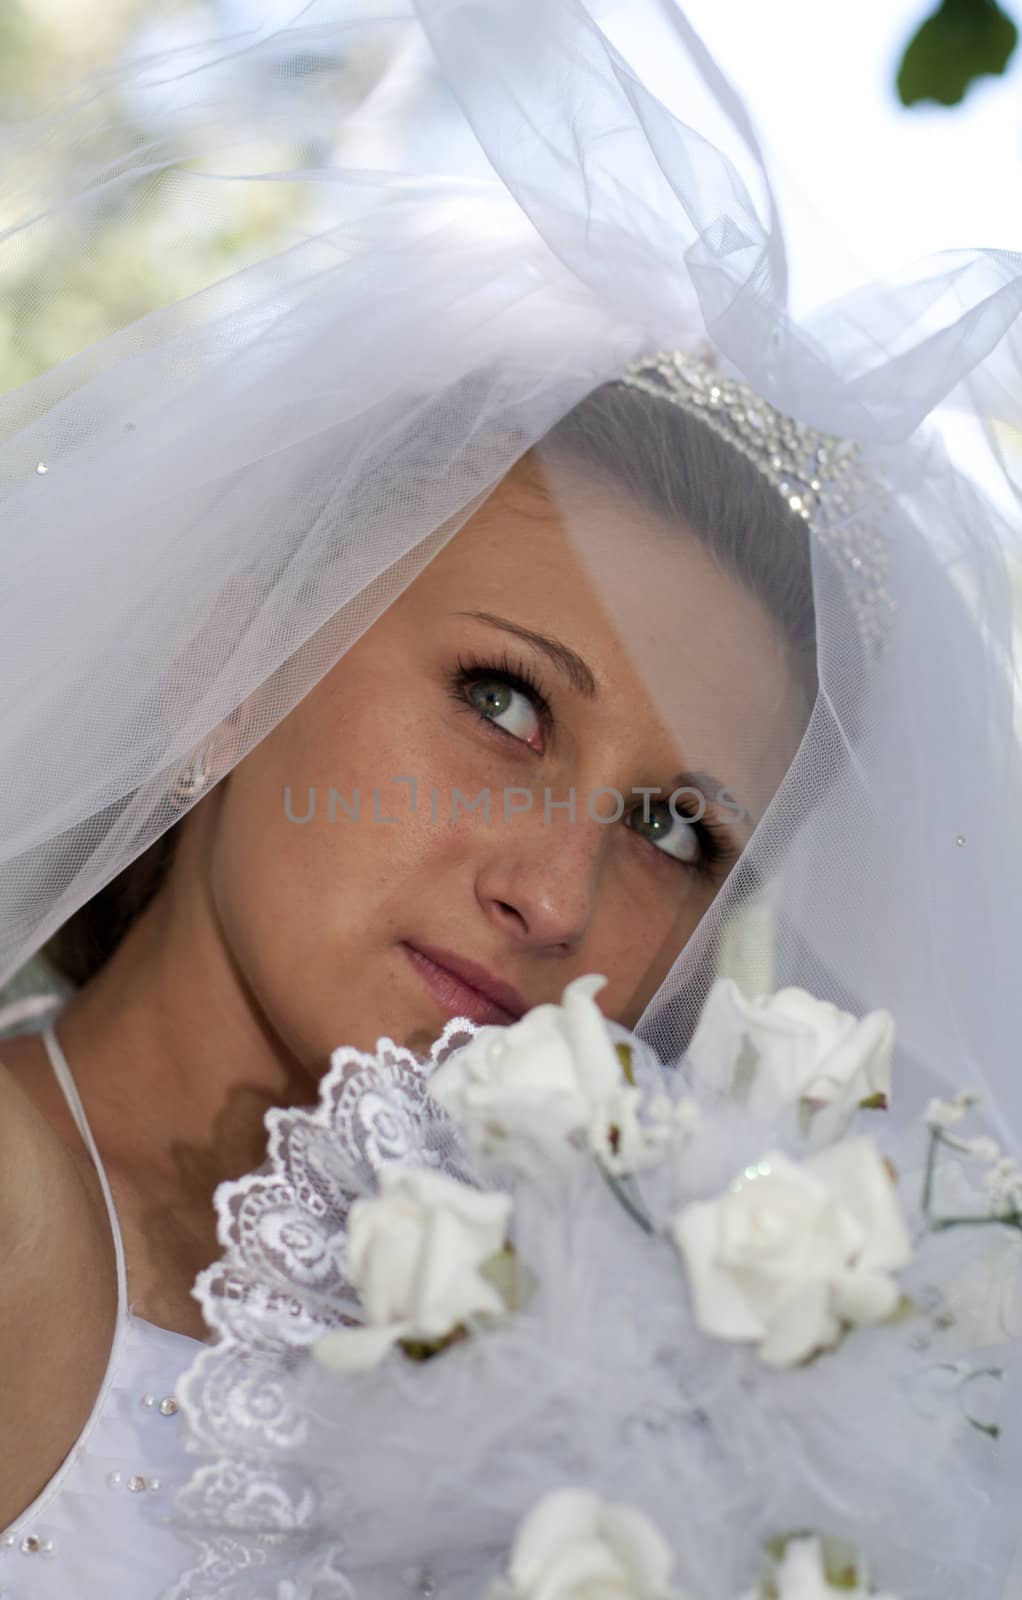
x: 717, y: 851
x: 516, y: 674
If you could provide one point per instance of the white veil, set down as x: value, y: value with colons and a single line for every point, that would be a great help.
x: 203, y: 509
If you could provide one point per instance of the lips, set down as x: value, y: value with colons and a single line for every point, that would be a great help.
x: 464, y: 988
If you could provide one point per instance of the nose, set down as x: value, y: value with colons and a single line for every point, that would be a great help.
x: 538, y: 877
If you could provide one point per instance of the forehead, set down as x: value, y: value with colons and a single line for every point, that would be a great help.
x: 680, y: 649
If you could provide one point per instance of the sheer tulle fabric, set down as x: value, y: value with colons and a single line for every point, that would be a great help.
x: 411, y: 1477
x: 206, y: 508
x: 239, y: 483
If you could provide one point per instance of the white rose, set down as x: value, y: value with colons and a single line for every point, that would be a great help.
x: 553, y: 1073
x: 793, y: 1253
x: 801, y: 1574
x: 414, y: 1254
x: 796, y: 1048
x: 575, y: 1546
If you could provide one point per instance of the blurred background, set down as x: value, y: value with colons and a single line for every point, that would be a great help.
x: 896, y: 122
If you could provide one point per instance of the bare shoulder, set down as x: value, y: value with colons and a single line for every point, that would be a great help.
x: 59, y: 1302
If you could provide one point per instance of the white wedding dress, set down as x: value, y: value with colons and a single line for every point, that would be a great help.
x: 100, y: 1529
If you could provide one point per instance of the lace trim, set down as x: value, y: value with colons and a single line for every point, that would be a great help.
x: 278, y: 1288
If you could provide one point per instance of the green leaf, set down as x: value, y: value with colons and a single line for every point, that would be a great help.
x: 624, y: 1054
x: 426, y: 1349
x: 961, y: 41
x: 874, y: 1102
x: 841, y: 1565
x: 776, y: 1548
x: 842, y: 1569
x: 745, y: 1070
x: 991, y: 1429
x: 806, y: 1108
x: 510, y: 1277
x: 905, y: 1308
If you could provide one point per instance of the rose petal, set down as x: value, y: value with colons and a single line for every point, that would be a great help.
x: 542, y: 1078
x: 357, y: 1349
x: 560, y: 1517
x: 586, y: 1569
x: 854, y: 1169
x: 448, y: 1288
x: 572, y: 1543
x: 716, y: 1044
x: 805, y: 1324
x: 865, y: 1297
x: 383, y: 1257
x: 719, y: 1306
x: 860, y: 1063
x: 586, y: 1032
x: 801, y: 1048
x: 640, y: 1545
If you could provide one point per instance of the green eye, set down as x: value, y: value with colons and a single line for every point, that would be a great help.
x: 491, y: 697
x: 508, y: 708
x: 505, y: 694
x: 668, y: 831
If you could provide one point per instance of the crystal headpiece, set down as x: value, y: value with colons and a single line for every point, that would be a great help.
x: 818, y: 475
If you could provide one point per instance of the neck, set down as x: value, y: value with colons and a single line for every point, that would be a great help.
x: 176, y: 1063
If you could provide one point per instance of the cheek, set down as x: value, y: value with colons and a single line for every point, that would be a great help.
x: 639, y: 936
x: 310, y: 910
x: 313, y: 832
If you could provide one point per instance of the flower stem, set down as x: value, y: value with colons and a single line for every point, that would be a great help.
x: 621, y: 1194
x: 931, y: 1167
x: 1005, y: 1219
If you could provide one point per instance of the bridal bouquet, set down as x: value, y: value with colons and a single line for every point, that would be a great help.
x: 541, y: 1319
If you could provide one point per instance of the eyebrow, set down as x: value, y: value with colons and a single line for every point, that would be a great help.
x: 568, y: 661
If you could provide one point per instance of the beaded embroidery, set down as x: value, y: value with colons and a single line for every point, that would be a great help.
x: 818, y: 475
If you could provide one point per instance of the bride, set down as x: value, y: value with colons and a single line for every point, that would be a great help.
x: 452, y: 643
x: 512, y: 667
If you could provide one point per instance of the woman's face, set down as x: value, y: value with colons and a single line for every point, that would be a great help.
x: 402, y: 848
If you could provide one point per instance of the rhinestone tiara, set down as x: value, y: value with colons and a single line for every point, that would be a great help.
x: 818, y: 475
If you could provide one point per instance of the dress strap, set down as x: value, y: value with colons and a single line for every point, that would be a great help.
x: 26, y: 1009
x: 62, y: 1073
